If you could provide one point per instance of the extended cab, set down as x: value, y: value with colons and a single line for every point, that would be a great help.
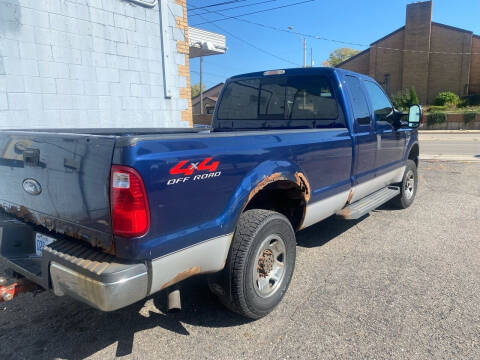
x: 111, y: 216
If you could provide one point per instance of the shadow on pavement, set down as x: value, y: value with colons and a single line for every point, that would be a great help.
x: 326, y: 230
x: 64, y: 328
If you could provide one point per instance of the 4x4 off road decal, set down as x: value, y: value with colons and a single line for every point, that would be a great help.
x: 184, y: 167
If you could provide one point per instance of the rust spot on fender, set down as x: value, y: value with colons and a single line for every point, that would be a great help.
x: 182, y: 276
x: 302, y: 181
x: 266, y: 180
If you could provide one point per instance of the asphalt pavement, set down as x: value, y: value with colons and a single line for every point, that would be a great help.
x: 450, y: 145
x: 397, y: 284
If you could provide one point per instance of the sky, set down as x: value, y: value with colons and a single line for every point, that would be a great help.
x: 354, y: 21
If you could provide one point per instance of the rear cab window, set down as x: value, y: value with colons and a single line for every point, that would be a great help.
x: 280, y: 102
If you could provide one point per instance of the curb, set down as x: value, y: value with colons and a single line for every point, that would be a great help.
x: 449, y: 131
x: 451, y: 158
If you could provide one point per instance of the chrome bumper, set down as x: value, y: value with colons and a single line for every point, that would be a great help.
x: 73, y: 268
x: 105, y: 296
x: 95, y: 278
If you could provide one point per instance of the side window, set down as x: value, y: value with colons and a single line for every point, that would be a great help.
x: 360, y: 107
x: 382, y: 107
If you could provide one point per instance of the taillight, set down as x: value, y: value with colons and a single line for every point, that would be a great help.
x: 129, y: 203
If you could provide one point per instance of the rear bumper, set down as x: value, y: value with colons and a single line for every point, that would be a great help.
x: 104, y: 296
x: 73, y: 268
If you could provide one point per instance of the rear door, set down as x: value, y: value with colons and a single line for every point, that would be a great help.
x: 366, y: 140
x: 390, y: 142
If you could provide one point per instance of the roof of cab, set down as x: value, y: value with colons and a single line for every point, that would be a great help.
x: 291, y: 71
x: 297, y: 71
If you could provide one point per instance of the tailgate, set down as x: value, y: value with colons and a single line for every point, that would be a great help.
x: 59, y: 182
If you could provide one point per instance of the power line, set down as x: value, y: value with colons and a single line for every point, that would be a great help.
x: 255, y: 12
x: 236, y: 7
x: 233, y: 68
x: 209, y: 73
x: 250, y: 44
x: 425, y: 51
x: 256, y: 47
x: 217, y: 4
x: 316, y: 37
x: 285, y: 30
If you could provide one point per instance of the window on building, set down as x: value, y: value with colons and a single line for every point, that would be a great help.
x: 210, y: 110
x: 359, y: 102
x: 382, y: 108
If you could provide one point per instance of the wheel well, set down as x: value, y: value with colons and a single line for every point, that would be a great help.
x: 283, y: 196
x: 414, y: 152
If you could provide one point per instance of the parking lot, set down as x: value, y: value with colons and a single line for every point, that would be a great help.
x: 394, y: 285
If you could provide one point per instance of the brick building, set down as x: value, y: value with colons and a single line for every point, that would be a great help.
x: 423, y: 54
x: 97, y: 63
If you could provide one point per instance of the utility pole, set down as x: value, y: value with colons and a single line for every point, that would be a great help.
x: 311, y: 57
x: 304, y: 52
x: 201, y: 85
x: 304, y: 45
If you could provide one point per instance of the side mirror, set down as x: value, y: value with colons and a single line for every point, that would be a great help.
x: 415, y: 116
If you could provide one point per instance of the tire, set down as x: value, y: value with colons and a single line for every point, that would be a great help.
x: 408, y: 187
x: 253, y: 283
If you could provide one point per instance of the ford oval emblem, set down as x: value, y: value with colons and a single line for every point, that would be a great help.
x: 32, y: 186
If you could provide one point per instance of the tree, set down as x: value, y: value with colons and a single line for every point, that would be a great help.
x: 196, y: 90
x: 405, y: 98
x: 326, y: 63
x: 340, y: 55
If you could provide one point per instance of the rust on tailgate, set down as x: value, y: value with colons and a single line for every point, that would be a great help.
x: 95, y: 239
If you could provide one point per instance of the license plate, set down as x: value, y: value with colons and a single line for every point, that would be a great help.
x: 41, y: 241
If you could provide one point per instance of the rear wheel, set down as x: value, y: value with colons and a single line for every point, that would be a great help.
x: 259, y: 266
x: 408, y: 186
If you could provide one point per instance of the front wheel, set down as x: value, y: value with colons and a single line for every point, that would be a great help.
x: 408, y: 186
x: 259, y: 266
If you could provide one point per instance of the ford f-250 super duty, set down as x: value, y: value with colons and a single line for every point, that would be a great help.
x: 110, y: 217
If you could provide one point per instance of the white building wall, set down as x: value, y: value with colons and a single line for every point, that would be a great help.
x: 88, y: 63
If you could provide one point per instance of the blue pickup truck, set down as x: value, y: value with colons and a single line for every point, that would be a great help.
x: 111, y: 216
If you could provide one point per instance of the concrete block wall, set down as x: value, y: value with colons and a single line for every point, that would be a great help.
x: 92, y: 63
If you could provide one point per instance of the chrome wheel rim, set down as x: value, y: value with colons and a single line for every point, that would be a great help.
x: 269, y: 266
x: 409, y: 185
